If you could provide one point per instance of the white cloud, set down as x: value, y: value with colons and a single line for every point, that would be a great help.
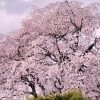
x: 2, y: 3
x: 28, y: 0
x: 9, y: 22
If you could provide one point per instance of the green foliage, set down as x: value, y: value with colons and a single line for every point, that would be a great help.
x: 71, y: 95
x: 74, y: 95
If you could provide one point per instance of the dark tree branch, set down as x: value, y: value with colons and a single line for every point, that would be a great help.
x: 52, y: 56
x: 90, y: 47
x: 31, y: 84
x: 82, y: 68
x: 41, y: 86
x: 59, y: 83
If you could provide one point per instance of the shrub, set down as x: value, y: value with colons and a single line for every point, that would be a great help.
x: 70, y: 95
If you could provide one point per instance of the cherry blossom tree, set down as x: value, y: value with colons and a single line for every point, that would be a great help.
x: 67, y: 44
x: 55, y: 50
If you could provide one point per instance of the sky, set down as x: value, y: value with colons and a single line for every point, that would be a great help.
x: 12, y: 12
